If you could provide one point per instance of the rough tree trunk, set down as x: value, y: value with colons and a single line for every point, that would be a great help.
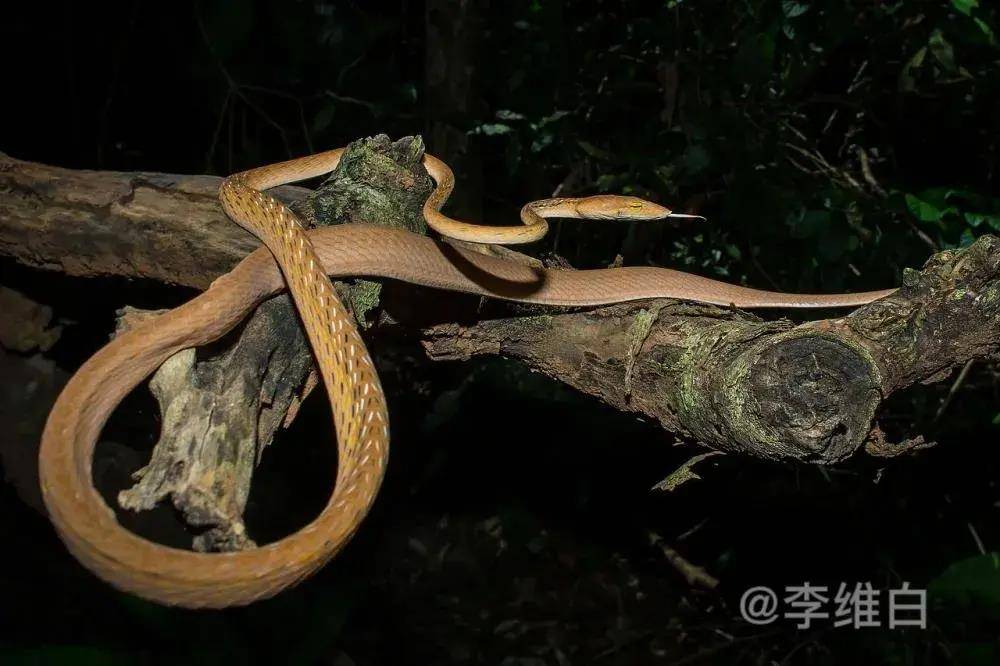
x: 730, y: 380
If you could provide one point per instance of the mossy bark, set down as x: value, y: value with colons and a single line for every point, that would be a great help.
x: 738, y: 383
x: 222, y: 407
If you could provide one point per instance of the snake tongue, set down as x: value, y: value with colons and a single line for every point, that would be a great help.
x: 688, y: 217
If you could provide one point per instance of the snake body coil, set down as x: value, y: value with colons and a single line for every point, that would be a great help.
x: 302, y: 260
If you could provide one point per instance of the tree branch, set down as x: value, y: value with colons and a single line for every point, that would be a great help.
x: 738, y: 383
x: 161, y: 226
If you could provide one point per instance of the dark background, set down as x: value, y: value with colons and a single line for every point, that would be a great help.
x: 830, y: 145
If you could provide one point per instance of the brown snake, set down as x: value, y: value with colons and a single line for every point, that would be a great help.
x: 173, y: 576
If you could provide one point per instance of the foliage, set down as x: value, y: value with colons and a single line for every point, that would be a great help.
x: 787, y: 124
x: 794, y: 131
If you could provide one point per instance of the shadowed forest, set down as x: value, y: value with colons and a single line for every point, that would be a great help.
x: 830, y: 145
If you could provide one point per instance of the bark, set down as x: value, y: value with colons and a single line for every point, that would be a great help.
x: 165, y: 227
x: 739, y: 383
x: 221, y: 412
x: 734, y: 381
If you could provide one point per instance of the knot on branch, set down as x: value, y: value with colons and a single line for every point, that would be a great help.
x: 760, y: 388
x: 810, y: 397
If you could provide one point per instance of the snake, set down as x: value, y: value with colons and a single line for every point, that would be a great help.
x: 303, y: 262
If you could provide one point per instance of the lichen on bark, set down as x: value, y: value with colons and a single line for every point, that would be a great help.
x: 378, y: 181
x: 736, y: 382
x: 222, y: 407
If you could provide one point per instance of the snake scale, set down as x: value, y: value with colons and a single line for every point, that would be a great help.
x: 303, y: 260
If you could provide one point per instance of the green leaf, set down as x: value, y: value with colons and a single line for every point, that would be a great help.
x: 507, y: 114
x: 986, y: 30
x: 974, y: 581
x: 493, y: 129
x: 965, y: 6
x: 557, y: 115
x: 976, y: 219
x: 942, y: 50
x: 541, y: 143
x: 792, y: 9
x: 923, y: 210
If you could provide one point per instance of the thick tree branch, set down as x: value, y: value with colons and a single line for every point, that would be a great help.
x: 736, y: 382
x: 90, y: 223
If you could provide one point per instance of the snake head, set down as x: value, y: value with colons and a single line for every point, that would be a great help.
x: 621, y: 207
